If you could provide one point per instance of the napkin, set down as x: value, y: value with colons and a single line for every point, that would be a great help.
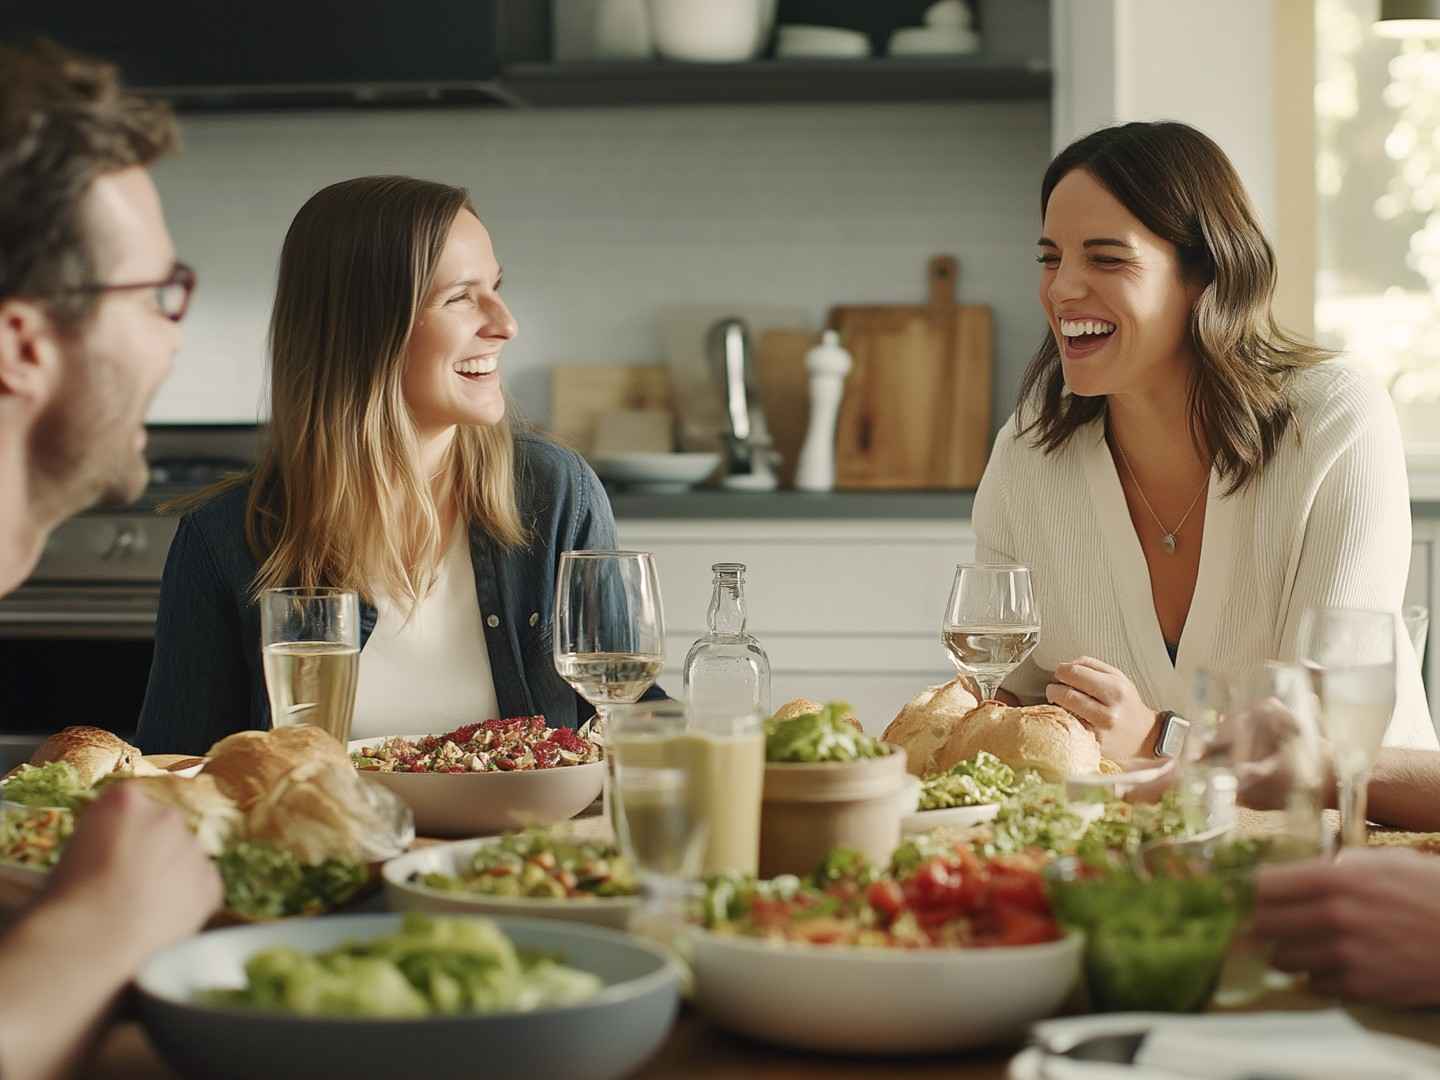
x: 1280, y: 1045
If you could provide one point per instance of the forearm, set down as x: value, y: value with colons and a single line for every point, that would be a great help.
x: 1404, y: 789
x: 60, y: 974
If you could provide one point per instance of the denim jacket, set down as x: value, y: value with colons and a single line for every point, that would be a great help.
x: 207, y: 680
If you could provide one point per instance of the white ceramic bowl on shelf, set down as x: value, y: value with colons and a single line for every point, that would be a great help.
x: 796, y: 41
x: 656, y: 474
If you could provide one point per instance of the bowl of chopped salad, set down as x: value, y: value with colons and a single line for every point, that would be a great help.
x: 962, y: 951
x: 540, y: 873
x: 486, y: 778
x: 967, y: 793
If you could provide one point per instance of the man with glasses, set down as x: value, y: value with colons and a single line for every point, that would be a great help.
x: 91, y: 298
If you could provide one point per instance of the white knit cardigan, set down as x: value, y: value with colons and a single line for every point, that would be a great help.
x: 1327, y: 522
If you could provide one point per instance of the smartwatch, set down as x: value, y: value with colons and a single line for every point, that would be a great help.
x: 1170, y: 738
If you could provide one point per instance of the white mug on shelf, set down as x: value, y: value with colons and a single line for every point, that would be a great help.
x: 711, y: 31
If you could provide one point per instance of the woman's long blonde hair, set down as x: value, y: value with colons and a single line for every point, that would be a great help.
x: 338, y: 498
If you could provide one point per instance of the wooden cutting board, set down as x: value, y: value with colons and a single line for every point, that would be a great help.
x: 581, y: 393
x: 785, y: 390
x: 916, y: 411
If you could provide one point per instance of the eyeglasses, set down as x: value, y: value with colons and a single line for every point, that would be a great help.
x: 172, y: 295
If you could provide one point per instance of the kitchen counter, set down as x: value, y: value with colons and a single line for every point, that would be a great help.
x: 782, y: 505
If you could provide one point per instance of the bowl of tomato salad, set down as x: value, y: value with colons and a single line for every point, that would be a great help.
x: 939, y: 951
x: 488, y: 777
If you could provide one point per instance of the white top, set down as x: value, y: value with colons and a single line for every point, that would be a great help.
x: 1327, y: 522
x: 431, y: 673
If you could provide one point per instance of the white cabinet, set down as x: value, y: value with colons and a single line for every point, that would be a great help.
x: 846, y: 610
x: 851, y: 610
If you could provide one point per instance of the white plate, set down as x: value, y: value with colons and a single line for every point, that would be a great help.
x: 1026, y: 1065
x: 954, y: 817
x: 656, y: 473
x: 880, y: 1001
x: 401, y: 894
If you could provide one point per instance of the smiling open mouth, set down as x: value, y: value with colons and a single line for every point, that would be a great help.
x: 1081, y: 337
x: 477, y: 369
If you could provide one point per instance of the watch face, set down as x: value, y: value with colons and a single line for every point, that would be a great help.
x: 1172, y: 737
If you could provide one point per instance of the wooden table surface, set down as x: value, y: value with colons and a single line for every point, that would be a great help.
x: 697, y: 1050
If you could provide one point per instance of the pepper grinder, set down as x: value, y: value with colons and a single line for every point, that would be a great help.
x: 828, y: 363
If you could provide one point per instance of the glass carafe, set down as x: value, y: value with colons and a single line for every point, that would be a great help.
x: 727, y: 671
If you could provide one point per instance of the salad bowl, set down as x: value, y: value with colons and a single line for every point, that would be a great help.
x: 405, y: 891
x: 478, y: 803
x: 607, y: 1036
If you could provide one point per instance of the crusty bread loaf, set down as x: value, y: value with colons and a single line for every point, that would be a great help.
x: 212, y: 816
x: 1044, y: 738
x: 249, y: 764
x: 92, y: 752
x: 299, y: 791
x: 928, y: 721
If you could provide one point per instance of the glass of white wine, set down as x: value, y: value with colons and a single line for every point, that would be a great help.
x: 1350, y: 653
x: 991, y: 622
x: 609, y: 626
x: 310, y: 642
x: 660, y: 828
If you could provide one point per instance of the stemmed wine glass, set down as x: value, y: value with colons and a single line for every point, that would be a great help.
x: 991, y: 622
x: 1350, y: 653
x: 609, y: 626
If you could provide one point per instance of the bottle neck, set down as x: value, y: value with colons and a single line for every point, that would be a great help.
x: 727, y: 607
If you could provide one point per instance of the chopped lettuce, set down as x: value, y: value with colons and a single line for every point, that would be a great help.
x: 54, y: 784
x: 430, y: 966
x: 822, y: 736
x: 262, y: 881
x: 983, y: 779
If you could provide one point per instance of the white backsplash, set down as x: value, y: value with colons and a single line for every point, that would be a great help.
x: 603, y: 216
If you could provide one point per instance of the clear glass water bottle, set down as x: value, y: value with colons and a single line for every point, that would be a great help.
x: 727, y: 671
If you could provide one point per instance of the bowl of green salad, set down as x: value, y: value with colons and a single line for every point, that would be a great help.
x: 966, y: 794
x: 1157, y: 931
x: 538, y: 873
x: 413, y: 995
x: 827, y: 784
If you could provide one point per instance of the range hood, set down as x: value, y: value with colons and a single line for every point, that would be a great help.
x: 271, y: 53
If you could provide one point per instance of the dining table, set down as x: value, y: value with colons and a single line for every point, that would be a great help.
x: 699, y: 1050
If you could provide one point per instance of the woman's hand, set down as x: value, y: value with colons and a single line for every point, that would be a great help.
x: 1365, y: 926
x: 1106, y: 701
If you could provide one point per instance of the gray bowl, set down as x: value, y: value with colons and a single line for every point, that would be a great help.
x: 609, y: 1036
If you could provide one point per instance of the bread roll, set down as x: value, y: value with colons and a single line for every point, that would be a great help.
x: 1044, y: 738
x: 299, y: 791
x: 924, y: 725
x: 92, y: 752
x: 249, y: 764
x: 212, y: 816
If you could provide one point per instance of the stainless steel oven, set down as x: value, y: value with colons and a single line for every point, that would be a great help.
x: 76, y: 638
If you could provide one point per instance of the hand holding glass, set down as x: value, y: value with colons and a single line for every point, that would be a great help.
x: 310, y: 641
x: 991, y: 623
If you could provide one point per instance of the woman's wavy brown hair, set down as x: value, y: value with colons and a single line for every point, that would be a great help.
x: 1182, y: 187
x: 339, y: 498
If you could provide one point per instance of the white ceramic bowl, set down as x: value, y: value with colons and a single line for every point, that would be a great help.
x: 656, y: 474
x: 474, y: 804
x: 933, y: 41
x: 880, y: 1001
x: 707, y: 31
x: 954, y: 817
x: 795, y: 41
x: 402, y: 894
x: 607, y: 1037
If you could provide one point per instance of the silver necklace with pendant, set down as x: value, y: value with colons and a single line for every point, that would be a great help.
x: 1167, y: 538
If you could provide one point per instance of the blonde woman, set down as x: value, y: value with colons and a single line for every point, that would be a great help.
x: 392, y: 470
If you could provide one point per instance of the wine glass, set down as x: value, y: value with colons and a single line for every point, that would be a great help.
x: 310, y: 644
x: 609, y: 626
x: 1350, y: 653
x: 660, y: 828
x: 991, y: 622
